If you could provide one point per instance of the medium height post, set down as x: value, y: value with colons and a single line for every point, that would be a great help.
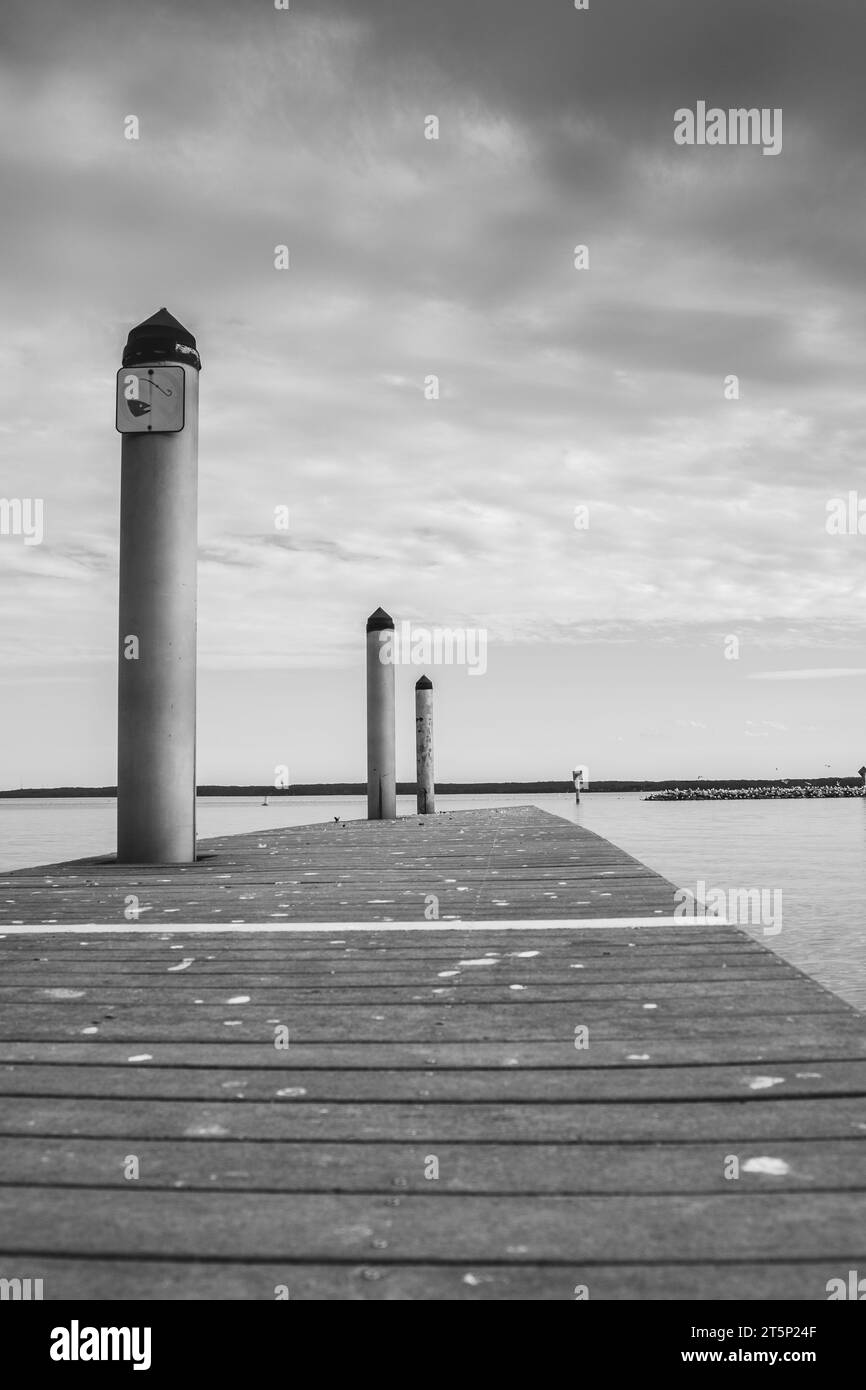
x: 381, y: 759
x: 157, y: 415
x: 424, y: 746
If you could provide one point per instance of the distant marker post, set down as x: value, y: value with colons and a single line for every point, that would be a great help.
x: 157, y: 415
x: 381, y: 755
x: 424, y: 746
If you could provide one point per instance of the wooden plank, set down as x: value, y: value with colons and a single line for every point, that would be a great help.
x: 351, y: 1226
x: 663, y: 940
x: 545, y: 965
x: 291, y: 1118
x: 373, y: 1280
x: 546, y: 959
x: 293, y: 947
x: 100, y: 984
x: 773, y: 996
x: 470, y: 1025
x: 806, y: 1050
x: 571, y: 1081
x: 444, y: 1017
x: 394, y: 1167
x: 641, y: 1035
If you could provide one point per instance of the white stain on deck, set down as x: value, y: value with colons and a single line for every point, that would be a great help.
x: 773, y: 1167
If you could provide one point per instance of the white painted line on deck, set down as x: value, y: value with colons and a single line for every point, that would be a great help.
x: 171, y: 928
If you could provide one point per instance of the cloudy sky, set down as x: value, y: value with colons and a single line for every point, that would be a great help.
x: 559, y: 388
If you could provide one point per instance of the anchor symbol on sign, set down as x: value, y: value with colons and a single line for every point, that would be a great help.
x: 135, y: 405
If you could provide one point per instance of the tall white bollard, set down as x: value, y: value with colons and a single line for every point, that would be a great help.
x: 157, y: 415
x: 381, y: 755
x: 424, y: 746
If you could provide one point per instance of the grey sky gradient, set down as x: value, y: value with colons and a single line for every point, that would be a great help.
x: 558, y: 387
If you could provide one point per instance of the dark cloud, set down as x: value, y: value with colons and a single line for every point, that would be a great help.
x: 453, y: 257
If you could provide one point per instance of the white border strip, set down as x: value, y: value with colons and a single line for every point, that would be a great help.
x: 170, y: 928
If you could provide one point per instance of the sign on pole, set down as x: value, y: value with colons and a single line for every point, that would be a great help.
x: 150, y: 400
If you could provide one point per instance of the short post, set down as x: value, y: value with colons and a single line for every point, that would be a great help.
x: 381, y: 758
x: 157, y: 415
x: 424, y: 746
x: 862, y: 774
x: 577, y: 778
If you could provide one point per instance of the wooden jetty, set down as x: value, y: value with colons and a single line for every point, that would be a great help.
x: 435, y: 1128
x: 514, y: 863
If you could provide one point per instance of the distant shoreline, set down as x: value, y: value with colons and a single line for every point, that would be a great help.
x: 461, y: 788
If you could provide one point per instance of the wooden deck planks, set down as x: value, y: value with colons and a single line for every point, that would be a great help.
x: 377, y: 1279
x: 502, y: 864
x: 558, y: 1166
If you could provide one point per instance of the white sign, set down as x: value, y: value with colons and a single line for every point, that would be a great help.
x: 150, y: 400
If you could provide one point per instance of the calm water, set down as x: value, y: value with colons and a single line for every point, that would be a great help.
x: 814, y: 851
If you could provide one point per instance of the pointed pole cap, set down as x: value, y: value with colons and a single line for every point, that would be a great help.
x: 161, y: 338
x: 380, y: 621
x: 424, y: 683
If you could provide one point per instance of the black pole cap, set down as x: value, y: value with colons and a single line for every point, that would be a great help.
x: 161, y: 338
x: 380, y: 621
x: 424, y: 683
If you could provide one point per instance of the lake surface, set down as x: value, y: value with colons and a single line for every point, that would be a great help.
x: 813, y: 852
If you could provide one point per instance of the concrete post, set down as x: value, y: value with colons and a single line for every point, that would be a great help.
x: 157, y: 413
x: 381, y: 756
x: 424, y: 746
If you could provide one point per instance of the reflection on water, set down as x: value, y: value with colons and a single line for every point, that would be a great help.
x: 812, y: 850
